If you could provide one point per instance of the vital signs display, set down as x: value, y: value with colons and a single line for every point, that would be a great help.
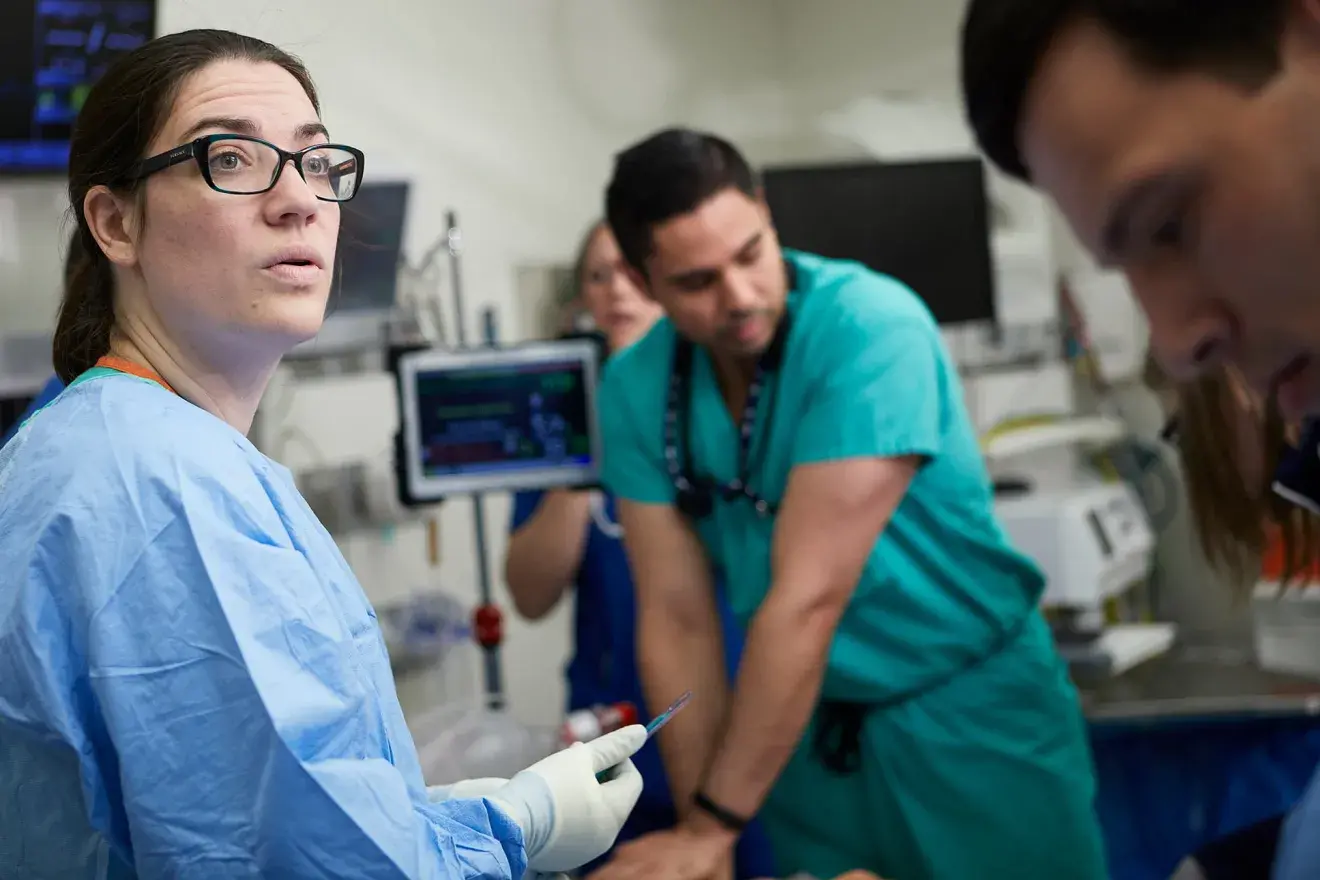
x: 510, y: 418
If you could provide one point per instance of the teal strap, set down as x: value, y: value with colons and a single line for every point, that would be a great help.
x: 97, y: 373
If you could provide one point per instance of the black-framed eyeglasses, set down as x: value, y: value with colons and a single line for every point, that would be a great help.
x: 242, y: 165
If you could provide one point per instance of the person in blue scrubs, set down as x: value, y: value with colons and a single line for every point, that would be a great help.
x: 796, y: 422
x: 1179, y: 141
x: 567, y: 537
x: 48, y: 392
x: 194, y: 682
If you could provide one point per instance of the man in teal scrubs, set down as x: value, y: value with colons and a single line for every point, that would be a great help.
x: 900, y: 706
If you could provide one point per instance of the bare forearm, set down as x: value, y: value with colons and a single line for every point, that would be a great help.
x: 782, y: 669
x: 676, y: 656
x: 545, y: 553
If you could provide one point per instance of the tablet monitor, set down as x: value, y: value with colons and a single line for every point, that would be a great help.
x: 498, y: 419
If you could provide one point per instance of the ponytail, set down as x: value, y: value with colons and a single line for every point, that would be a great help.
x: 87, y: 314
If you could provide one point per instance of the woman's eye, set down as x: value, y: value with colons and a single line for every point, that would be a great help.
x: 226, y: 162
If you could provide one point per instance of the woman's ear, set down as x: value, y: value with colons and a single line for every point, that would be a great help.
x: 111, y: 221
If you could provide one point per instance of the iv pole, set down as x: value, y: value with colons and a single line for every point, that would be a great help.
x: 486, y: 619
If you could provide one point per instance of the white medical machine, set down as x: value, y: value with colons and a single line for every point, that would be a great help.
x: 1094, y: 544
x: 1091, y: 538
x: 498, y: 419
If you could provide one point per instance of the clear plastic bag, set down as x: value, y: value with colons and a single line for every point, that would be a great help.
x: 462, y: 741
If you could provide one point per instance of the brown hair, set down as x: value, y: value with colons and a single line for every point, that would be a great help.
x: 122, y: 114
x: 1231, y: 443
x: 568, y: 300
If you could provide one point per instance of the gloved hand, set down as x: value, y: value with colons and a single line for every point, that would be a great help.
x: 466, y: 788
x: 567, y: 817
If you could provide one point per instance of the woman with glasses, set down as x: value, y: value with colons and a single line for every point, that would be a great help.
x: 193, y: 683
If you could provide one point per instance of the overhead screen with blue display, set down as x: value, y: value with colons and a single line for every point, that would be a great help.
x: 51, y: 52
x: 491, y: 419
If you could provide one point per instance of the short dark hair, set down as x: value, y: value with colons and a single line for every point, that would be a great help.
x: 120, y: 117
x: 669, y: 174
x: 1005, y: 41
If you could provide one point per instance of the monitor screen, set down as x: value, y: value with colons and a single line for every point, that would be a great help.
x: 496, y: 419
x: 370, y: 248
x: 51, y: 52
x: 925, y: 223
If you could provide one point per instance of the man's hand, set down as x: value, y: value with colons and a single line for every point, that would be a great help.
x: 685, y: 853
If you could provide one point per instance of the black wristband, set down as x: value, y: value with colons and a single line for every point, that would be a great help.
x: 731, y: 821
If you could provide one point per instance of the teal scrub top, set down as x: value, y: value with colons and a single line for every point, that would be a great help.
x: 865, y: 374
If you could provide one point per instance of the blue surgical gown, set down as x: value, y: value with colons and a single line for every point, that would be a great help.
x: 194, y: 684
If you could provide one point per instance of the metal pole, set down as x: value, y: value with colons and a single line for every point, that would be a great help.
x: 494, y: 680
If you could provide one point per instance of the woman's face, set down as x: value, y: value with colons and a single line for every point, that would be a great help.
x: 241, y: 274
x: 621, y: 311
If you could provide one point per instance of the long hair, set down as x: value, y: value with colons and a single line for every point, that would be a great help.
x: 1231, y: 442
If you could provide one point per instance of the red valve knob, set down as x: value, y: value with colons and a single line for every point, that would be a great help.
x: 488, y: 625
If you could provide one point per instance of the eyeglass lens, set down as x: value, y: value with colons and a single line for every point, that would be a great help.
x: 244, y: 167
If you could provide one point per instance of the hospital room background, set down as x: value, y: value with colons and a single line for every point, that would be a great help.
x: 489, y: 129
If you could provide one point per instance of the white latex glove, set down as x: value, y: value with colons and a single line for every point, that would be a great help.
x: 467, y: 788
x: 567, y: 817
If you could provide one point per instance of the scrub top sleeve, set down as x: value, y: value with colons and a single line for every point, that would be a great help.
x: 879, y: 393
x: 245, y: 736
x: 632, y: 468
x: 524, y: 508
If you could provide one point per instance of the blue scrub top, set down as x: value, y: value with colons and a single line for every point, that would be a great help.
x: 864, y: 374
x: 603, y: 668
x: 47, y: 394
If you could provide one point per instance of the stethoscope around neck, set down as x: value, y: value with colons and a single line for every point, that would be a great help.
x: 696, y: 494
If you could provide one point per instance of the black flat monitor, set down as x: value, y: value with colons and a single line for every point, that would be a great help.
x: 926, y: 223
x: 370, y: 248
x: 491, y: 419
x: 51, y: 52
x: 367, y: 262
